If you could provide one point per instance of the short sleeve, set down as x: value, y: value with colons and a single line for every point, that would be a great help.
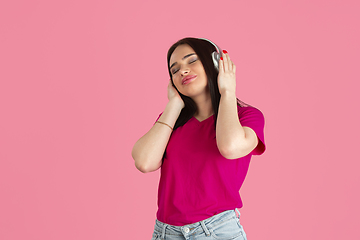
x: 253, y: 118
x: 158, y: 118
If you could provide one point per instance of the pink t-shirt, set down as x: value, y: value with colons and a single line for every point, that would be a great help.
x: 196, y: 181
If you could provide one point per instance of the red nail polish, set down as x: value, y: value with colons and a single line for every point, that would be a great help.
x: 224, y: 51
x: 221, y: 58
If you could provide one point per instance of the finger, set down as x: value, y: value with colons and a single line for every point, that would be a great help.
x: 229, y: 61
x: 231, y: 65
x: 226, y: 64
x: 221, y: 65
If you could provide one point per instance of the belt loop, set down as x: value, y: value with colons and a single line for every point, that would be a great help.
x: 237, y: 210
x: 205, y: 228
x: 163, y: 231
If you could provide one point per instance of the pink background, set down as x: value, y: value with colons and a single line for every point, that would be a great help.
x: 82, y: 81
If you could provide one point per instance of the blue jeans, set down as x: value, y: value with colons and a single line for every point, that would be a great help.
x: 225, y: 226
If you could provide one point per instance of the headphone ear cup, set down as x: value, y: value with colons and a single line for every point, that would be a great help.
x: 216, y: 59
x: 215, y: 55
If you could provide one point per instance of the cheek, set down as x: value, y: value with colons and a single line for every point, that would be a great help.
x: 199, y: 69
x: 177, y: 81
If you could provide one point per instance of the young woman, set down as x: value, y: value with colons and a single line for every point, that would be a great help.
x: 203, y: 141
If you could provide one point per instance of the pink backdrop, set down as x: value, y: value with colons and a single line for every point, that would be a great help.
x: 82, y: 81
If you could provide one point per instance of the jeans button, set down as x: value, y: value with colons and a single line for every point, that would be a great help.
x: 186, y: 229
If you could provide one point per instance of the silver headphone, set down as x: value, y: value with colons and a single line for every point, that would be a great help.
x: 215, y: 55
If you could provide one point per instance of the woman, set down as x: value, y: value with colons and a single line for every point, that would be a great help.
x: 203, y: 142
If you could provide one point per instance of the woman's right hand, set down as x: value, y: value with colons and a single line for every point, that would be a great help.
x: 173, y: 95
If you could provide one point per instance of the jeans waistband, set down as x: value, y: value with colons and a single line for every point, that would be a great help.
x: 223, y: 216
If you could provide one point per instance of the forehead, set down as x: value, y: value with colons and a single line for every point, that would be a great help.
x: 179, y: 52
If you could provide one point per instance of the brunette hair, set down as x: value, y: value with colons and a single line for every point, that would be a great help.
x: 203, y: 49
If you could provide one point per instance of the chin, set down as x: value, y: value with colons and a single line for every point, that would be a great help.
x: 192, y: 94
x: 193, y: 90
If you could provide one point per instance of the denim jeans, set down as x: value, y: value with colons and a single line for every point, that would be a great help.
x: 225, y: 226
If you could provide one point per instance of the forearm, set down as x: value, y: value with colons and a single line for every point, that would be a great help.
x: 149, y: 149
x: 229, y: 132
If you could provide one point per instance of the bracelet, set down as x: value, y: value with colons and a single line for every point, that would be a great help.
x: 165, y: 124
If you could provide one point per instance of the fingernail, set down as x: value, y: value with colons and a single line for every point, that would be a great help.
x: 224, y: 51
x: 221, y: 58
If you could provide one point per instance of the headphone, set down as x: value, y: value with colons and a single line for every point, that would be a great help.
x: 215, y: 55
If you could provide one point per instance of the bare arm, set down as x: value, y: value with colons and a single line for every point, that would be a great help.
x: 232, y: 139
x: 149, y: 149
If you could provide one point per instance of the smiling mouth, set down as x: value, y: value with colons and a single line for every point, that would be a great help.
x: 188, y: 80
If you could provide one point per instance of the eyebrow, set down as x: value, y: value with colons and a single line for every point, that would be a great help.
x: 182, y: 59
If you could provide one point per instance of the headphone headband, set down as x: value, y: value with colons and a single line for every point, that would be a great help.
x: 217, y: 48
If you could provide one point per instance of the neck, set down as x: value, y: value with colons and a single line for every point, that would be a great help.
x: 204, y: 105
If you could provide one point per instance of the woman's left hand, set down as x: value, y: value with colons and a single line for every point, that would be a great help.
x: 226, y: 78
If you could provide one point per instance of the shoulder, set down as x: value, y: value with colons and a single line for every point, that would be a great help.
x: 249, y: 111
x: 253, y: 118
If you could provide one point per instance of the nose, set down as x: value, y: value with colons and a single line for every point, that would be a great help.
x: 184, y: 70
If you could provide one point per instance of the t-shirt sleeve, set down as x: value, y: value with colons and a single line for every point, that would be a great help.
x: 158, y: 118
x: 253, y: 118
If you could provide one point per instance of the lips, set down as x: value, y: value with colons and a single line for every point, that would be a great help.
x: 188, y: 79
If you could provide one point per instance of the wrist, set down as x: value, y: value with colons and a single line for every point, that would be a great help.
x: 176, y: 104
x: 228, y: 94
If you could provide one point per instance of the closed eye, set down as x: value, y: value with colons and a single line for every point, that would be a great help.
x: 190, y: 62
